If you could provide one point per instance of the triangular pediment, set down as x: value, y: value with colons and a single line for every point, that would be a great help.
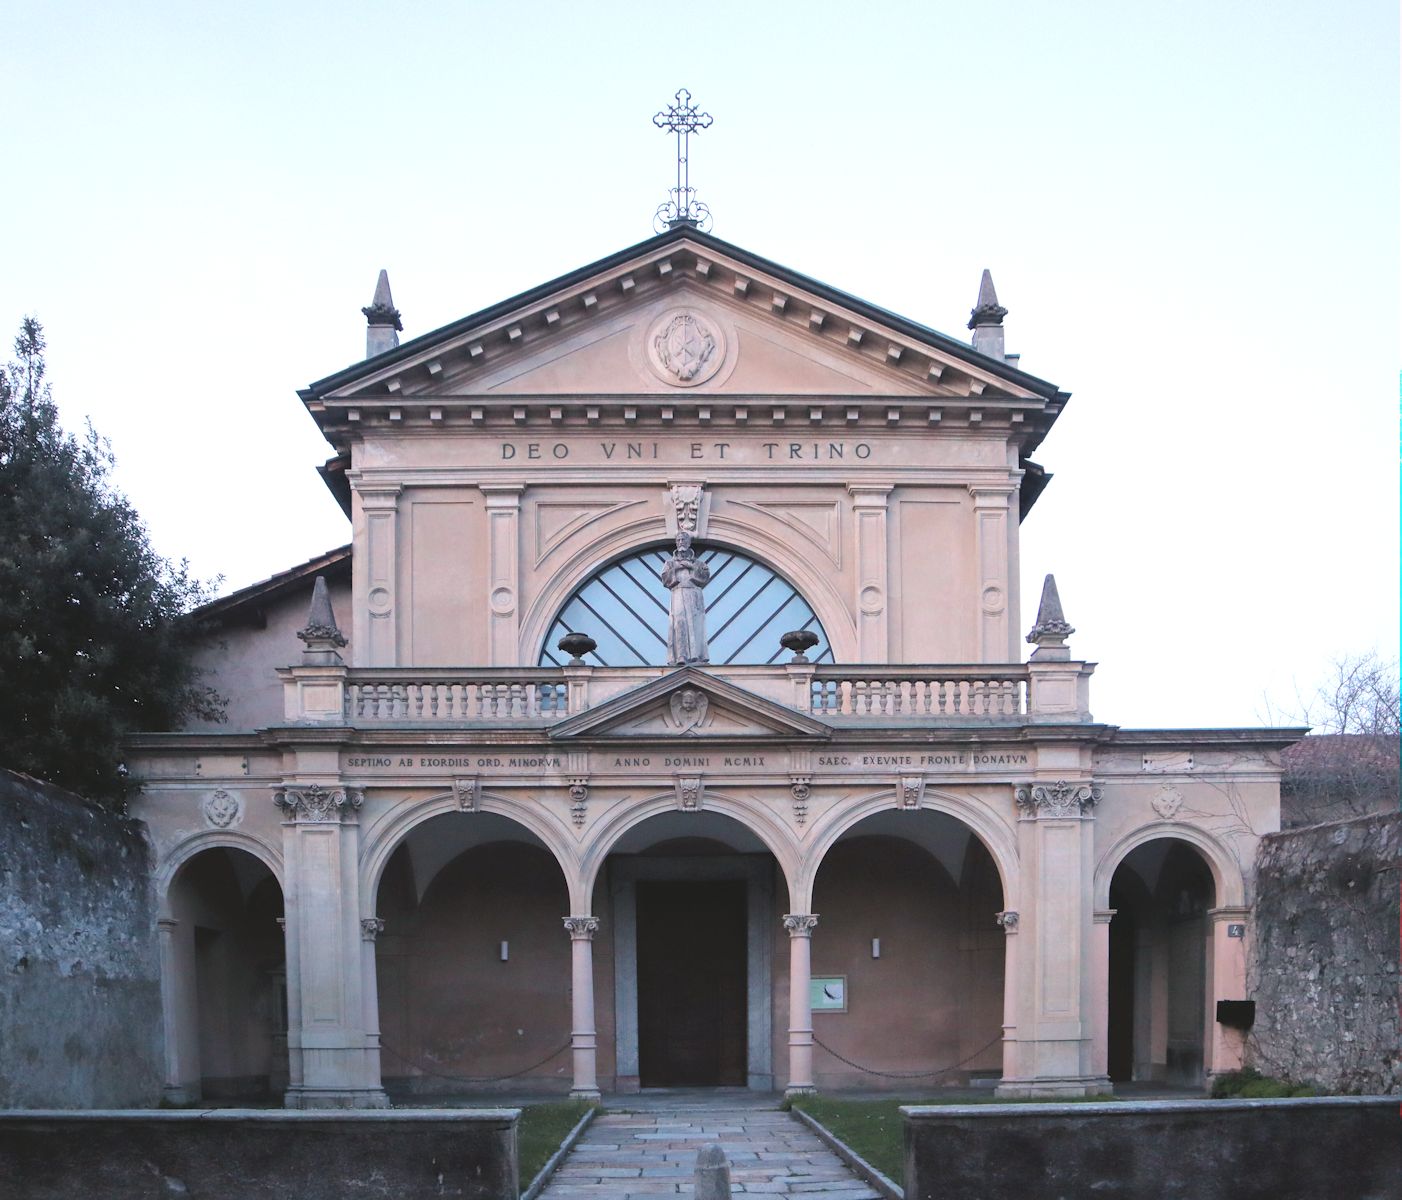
x: 690, y: 704
x: 681, y: 317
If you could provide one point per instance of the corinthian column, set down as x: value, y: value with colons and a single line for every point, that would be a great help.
x: 800, y: 927
x: 583, y: 1039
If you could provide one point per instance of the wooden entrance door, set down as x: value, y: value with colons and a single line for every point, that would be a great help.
x: 691, y: 983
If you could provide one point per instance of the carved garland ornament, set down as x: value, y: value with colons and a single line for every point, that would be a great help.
x: 221, y: 809
x: 1167, y: 801
x: 316, y: 803
x: 801, y: 788
x: 579, y: 800
x: 912, y: 791
x: 689, y: 793
x: 1059, y: 799
x: 371, y: 928
x: 688, y: 708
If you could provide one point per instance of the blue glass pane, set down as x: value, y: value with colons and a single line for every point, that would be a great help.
x: 624, y: 608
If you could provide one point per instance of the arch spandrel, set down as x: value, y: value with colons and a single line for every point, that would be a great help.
x: 387, y: 833
x: 1227, y: 877
x: 815, y: 587
x: 755, y: 817
x: 168, y: 867
x: 997, y: 837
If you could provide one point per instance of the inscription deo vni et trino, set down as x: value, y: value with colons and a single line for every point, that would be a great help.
x: 648, y: 451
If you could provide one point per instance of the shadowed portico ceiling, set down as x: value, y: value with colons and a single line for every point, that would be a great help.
x: 556, y: 356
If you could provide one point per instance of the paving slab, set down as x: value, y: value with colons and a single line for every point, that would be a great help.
x: 646, y: 1146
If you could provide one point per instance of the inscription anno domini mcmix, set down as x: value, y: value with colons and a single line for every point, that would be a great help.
x: 851, y: 762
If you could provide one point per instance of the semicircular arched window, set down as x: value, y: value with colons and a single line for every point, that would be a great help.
x: 624, y: 607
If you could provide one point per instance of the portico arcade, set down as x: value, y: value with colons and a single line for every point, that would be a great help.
x: 495, y: 850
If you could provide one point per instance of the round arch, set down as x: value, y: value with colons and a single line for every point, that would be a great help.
x: 751, y: 816
x: 816, y: 587
x: 1227, y: 880
x: 387, y: 834
x: 998, y: 839
x: 226, y: 839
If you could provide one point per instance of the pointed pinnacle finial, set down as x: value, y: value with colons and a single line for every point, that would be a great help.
x: 322, y: 635
x: 987, y: 311
x: 1051, y: 629
x: 382, y: 319
x: 381, y: 310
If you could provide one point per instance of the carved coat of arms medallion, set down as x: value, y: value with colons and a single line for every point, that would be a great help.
x: 685, y: 349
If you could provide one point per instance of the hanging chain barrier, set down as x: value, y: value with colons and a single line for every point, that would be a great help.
x: 907, y: 1074
x: 394, y: 1054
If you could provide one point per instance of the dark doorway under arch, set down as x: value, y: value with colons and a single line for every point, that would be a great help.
x: 1158, y: 970
x: 229, y: 992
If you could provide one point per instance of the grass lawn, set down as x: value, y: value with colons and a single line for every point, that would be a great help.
x: 873, y: 1128
x: 541, y: 1130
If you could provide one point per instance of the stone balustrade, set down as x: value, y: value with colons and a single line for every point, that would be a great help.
x: 981, y: 692
x: 427, y: 695
x: 1000, y: 693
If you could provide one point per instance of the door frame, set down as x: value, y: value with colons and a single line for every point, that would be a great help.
x: 757, y: 872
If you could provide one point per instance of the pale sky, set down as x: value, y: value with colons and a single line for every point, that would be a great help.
x: 1190, y: 210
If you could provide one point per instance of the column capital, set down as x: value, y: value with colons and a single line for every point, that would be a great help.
x: 314, y: 804
x: 991, y: 495
x: 870, y: 495
x: 166, y: 924
x: 800, y: 924
x: 371, y: 928
x: 1103, y: 916
x: 1059, y: 799
x: 374, y: 494
x: 1007, y: 920
x: 581, y: 929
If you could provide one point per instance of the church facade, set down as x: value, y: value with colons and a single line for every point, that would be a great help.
x: 666, y: 723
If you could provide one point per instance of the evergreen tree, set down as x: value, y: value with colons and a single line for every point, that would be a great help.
x: 95, y: 636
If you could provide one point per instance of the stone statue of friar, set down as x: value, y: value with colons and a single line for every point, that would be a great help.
x: 685, y: 575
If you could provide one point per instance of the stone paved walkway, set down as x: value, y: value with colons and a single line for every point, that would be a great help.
x: 650, y: 1151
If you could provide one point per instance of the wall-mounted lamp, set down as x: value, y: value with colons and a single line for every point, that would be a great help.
x: 876, y: 947
x: 505, y: 951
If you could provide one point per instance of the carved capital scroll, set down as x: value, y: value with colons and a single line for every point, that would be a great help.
x: 1060, y: 799
x: 800, y: 924
x: 316, y: 803
x: 581, y: 929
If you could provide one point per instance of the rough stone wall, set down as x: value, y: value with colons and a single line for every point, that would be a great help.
x: 80, y: 1000
x: 1324, y: 974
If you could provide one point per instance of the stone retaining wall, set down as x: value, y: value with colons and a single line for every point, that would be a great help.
x: 1325, y: 955
x: 80, y: 997
x: 256, y: 1154
x: 1338, y: 1146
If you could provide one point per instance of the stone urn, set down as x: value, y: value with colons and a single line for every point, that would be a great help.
x: 800, y: 641
x: 577, y: 645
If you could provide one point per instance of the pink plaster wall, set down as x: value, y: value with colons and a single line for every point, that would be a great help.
x: 448, y: 1004
x: 935, y: 996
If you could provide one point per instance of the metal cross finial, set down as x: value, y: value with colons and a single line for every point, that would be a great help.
x: 683, y: 209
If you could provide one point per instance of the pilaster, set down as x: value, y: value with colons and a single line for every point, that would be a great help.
x: 869, y: 505
x: 996, y: 640
x: 1053, y: 1008
x: 181, y: 1084
x: 333, y: 1055
x: 503, y: 572
x: 375, y: 570
x: 1227, y: 956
